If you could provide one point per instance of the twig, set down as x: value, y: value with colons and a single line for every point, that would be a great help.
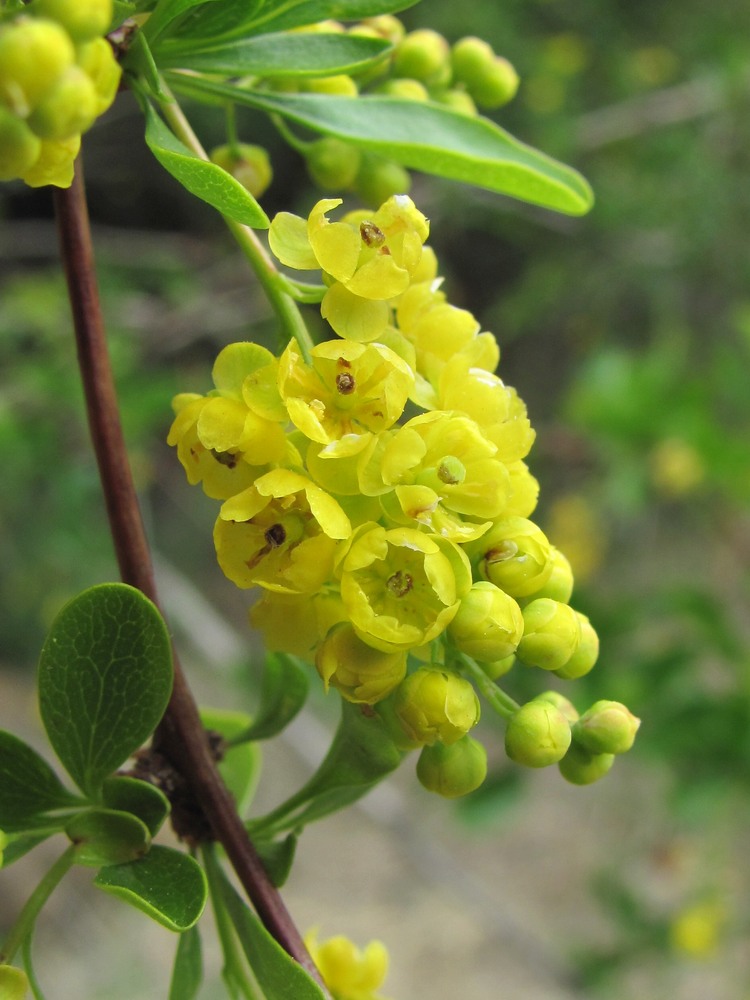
x: 180, y: 735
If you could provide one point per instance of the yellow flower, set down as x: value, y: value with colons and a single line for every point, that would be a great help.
x: 360, y: 673
x: 280, y: 534
x: 400, y: 586
x: 349, y: 972
x: 313, y: 615
x: 432, y: 704
x: 697, y: 930
x: 349, y: 389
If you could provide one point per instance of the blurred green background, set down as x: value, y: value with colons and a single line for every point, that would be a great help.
x: 627, y: 332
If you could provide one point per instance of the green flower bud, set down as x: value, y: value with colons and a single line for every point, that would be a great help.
x: 387, y: 26
x: 337, y: 86
x: 454, y: 770
x: 580, y: 767
x: 434, y: 705
x: 250, y: 165
x: 423, y: 55
x: 33, y: 55
x: 68, y: 109
x: 14, y: 984
x: 559, y: 586
x: 498, y: 668
x: 361, y: 674
x: 488, y: 624
x: 497, y: 85
x: 457, y: 100
x: 585, y: 656
x: 404, y: 87
x: 537, y: 735
x: 608, y: 727
x: 551, y: 634
x: 19, y: 147
x: 561, y: 703
x: 515, y: 555
x: 379, y: 179
x: 332, y: 164
x: 470, y: 58
x: 82, y: 19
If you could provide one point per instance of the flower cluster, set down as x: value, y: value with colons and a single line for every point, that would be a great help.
x: 377, y: 493
x: 57, y: 75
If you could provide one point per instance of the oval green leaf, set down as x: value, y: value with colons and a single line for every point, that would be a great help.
x: 285, y: 685
x: 277, y: 857
x: 166, y: 884
x: 28, y: 787
x: 138, y: 797
x: 279, y: 54
x: 424, y: 137
x: 107, y: 837
x: 204, y: 179
x: 105, y: 676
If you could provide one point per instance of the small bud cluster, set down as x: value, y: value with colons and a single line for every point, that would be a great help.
x: 377, y: 493
x: 57, y: 75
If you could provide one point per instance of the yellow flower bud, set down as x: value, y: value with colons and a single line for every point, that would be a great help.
x: 68, y: 109
x: 19, y: 147
x: 586, y: 654
x: 359, y: 673
x: 561, y: 703
x: 606, y: 727
x: 537, y: 735
x: 433, y: 705
x: 422, y: 54
x: 551, y: 635
x: 453, y: 770
x: 55, y: 163
x: 97, y: 60
x: 33, y: 55
x: 488, y: 624
x: 515, y: 555
x: 348, y: 971
x: 82, y: 19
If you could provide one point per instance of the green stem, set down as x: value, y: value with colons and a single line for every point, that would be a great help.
x: 27, y: 917
x: 272, y: 282
x: 289, y: 137
x: 501, y: 702
x: 233, y: 960
x: 28, y: 965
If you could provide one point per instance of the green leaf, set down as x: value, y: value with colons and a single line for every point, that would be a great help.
x: 277, y: 857
x: 204, y: 179
x: 240, y: 765
x: 105, y: 676
x: 295, y: 13
x: 187, y: 972
x: 424, y: 137
x: 19, y: 844
x: 284, y: 692
x: 361, y: 754
x: 138, y: 797
x: 278, y: 55
x: 279, y: 976
x: 219, y: 19
x: 28, y: 787
x: 166, y: 884
x: 107, y: 837
x: 167, y: 11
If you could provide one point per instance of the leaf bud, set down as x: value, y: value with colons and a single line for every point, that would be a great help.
x: 551, y: 634
x: 359, y: 673
x: 433, y: 705
x: 68, y: 109
x: 19, y: 147
x: 585, y: 656
x: 488, y: 624
x: 82, y: 19
x: 332, y: 164
x: 423, y: 55
x: 515, y: 555
x: 33, y: 55
x: 537, y: 735
x: 453, y: 770
x: 580, y: 767
x: 248, y: 164
x: 608, y: 727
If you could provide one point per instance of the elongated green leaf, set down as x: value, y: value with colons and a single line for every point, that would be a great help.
x: 166, y: 884
x: 425, y: 137
x: 277, y: 857
x: 282, y: 54
x: 277, y: 973
x: 284, y: 691
x: 205, y: 180
x: 107, y: 837
x: 166, y: 11
x: 295, y: 13
x: 227, y: 19
x: 187, y: 972
x: 28, y: 787
x: 140, y: 798
x: 105, y: 676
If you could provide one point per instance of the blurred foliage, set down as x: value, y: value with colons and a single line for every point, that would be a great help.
x: 627, y: 332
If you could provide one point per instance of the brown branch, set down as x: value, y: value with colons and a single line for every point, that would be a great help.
x: 181, y: 736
